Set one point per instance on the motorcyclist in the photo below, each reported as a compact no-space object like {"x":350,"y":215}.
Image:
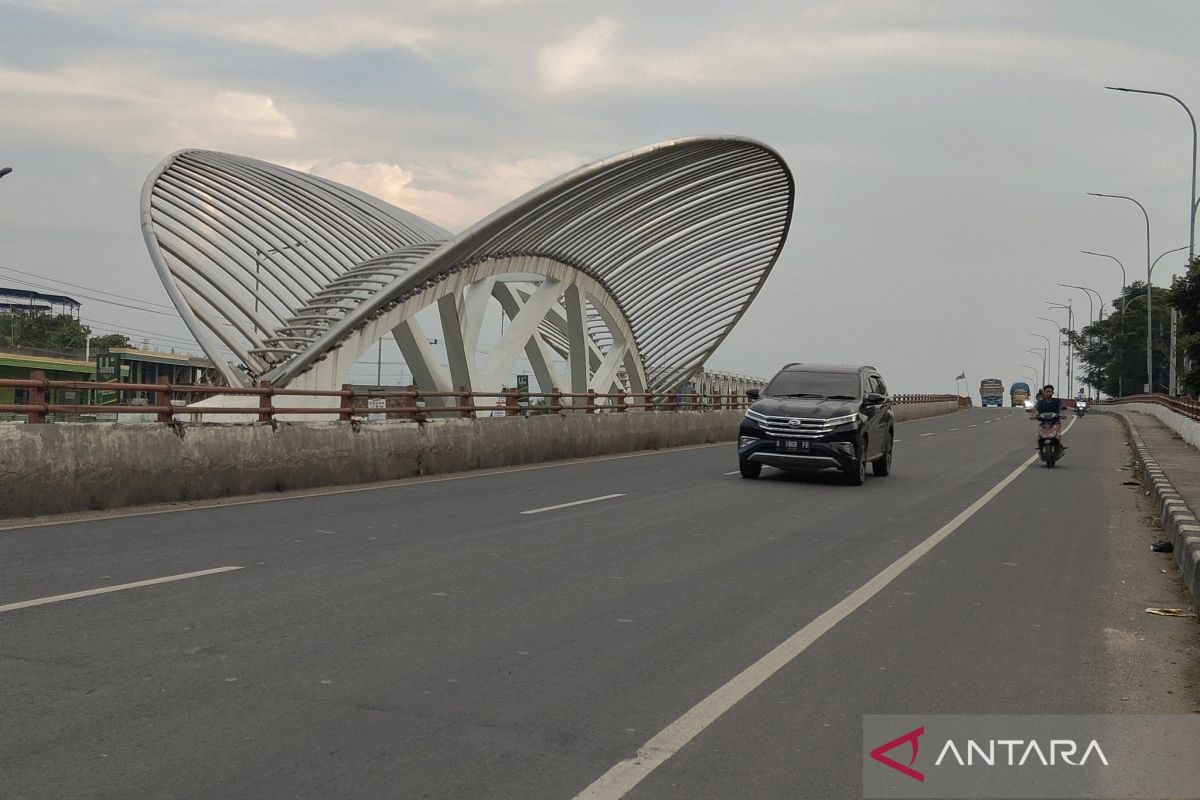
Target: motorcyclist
{"x":1047,"y":404}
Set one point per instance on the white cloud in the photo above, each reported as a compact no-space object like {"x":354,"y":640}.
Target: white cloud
{"x":124,"y":109}
{"x":582,"y":60}
{"x":253,"y":114}
{"x":453,"y":196}
{"x":320,"y":32}
{"x":596,"y":58}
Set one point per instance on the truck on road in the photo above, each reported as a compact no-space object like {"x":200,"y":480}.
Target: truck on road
{"x":991,"y":392}
{"x":1018,"y":393}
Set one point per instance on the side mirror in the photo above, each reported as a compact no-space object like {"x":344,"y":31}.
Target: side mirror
{"x":875,"y":398}
{"x":752,"y":394}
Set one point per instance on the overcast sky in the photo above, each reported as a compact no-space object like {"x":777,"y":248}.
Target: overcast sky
{"x":941,"y":150}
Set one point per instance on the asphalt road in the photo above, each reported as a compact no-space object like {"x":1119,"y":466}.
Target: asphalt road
{"x":436,"y":640}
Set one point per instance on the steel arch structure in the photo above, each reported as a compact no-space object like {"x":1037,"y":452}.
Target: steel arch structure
{"x":625,"y":273}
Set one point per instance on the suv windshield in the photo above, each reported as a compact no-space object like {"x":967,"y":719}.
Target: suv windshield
{"x":814,"y":384}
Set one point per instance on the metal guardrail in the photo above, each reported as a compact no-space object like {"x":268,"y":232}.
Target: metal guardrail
{"x":1188,"y":408}
{"x":410,"y":403}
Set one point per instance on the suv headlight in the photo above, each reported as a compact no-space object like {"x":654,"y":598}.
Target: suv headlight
{"x":755,"y":417}
{"x":837,"y":422}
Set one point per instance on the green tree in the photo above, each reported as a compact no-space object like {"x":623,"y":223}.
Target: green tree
{"x":110,"y":340}
{"x":1185,"y":298}
{"x":45,"y":331}
{"x":1113,"y":350}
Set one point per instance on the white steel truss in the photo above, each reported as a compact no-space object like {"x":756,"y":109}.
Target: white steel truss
{"x":535,"y":295}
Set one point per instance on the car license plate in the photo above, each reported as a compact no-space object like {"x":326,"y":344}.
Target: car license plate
{"x":793,"y":445}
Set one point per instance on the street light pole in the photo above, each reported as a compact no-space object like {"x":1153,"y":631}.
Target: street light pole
{"x":1058,"y":359}
{"x":1043,"y":352}
{"x":257,"y":254}
{"x":1192,"y":196}
{"x":1033,"y":371}
{"x":1149,"y":299}
{"x":1047,"y":356}
{"x":1124,"y":283}
{"x":1071,"y":328}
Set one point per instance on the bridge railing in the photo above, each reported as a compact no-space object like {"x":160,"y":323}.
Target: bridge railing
{"x":1188,"y":408}
{"x":265,"y":401}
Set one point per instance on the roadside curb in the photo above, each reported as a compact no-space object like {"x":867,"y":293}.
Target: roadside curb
{"x":1178,"y":519}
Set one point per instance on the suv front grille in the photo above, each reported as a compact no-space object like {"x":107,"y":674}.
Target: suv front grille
{"x":798,"y":427}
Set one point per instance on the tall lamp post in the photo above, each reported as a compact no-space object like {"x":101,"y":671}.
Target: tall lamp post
{"x":1044,"y":360}
{"x":1058,"y":358}
{"x":1124,"y":283}
{"x":1071,"y":328}
{"x":258,"y":254}
{"x":1042,"y":352}
{"x":1033,"y":372}
{"x":1090,"y":292}
{"x":1149,"y":299}
{"x":1192,"y":196}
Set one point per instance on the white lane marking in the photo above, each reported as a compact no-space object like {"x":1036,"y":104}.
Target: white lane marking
{"x":625,"y":775}
{"x":928,"y":434}
{"x":972,"y":426}
{"x":735,"y":472}
{"x":987,"y":422}
{"x":575,"y":503}
{"x":952,"y":430}
{"x":58,"y":598}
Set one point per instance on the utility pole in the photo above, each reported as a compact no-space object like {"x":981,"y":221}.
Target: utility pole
{"x":1172,"y":355}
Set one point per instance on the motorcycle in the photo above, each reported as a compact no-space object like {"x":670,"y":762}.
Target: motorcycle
{"x":1050,"y":447}
{"x":1081,"y":407}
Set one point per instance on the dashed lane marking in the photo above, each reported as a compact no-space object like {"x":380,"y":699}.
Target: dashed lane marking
{"x":573,"y":503}
{"x":58,"y":598}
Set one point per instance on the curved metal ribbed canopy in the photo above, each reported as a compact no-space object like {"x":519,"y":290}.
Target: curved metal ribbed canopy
{"x":282,"y":267}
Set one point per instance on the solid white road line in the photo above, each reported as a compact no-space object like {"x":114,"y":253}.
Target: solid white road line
{"x":621,"y":778}
{"x":735,"y":472}
{"x":58,"y":598}
{"x":576,"y":503}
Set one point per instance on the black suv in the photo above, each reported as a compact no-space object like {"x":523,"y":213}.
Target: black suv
{"x":816,"y":417}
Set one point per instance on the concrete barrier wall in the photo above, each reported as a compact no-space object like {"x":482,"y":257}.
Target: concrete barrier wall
{"x":913,"y":411}
{"x":51,"y":469}
{"x":1189,"y":429}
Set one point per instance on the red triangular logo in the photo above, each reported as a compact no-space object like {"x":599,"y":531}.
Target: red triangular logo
{"x":911,"y":738}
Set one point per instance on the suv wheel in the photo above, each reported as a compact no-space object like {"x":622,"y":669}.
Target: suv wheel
{"x":749,"y":469}
{"x":857,"y":474}
{"x":883,"y":465}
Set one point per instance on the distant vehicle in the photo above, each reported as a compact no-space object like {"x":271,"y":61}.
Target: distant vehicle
{"x":818,"y":417}
{"x":991,"y":392}
{"x":1018,"y":393}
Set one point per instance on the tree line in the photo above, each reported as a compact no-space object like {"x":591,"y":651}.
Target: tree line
{"x":1112,"y":350}
{"x":52,"y":332}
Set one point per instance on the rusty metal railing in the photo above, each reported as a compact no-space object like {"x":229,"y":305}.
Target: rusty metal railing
{"x":408,"y":403}
{"x":1188,"y":408}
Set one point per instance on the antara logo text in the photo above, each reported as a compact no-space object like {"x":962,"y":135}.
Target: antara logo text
{"x":991,"y":752}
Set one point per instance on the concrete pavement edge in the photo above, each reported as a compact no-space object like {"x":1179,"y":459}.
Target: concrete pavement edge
{"x":1177,"y":517}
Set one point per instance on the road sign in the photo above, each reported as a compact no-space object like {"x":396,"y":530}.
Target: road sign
{"x":523,"y":389}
